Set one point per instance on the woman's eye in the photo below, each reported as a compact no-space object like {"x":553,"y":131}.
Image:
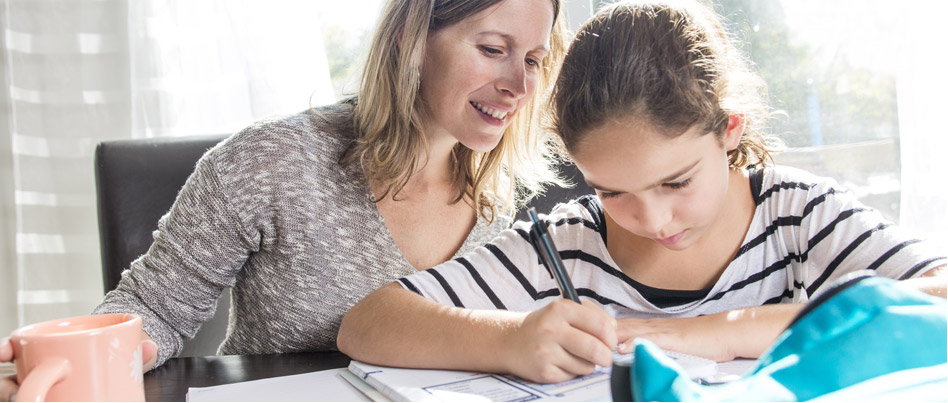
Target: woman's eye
{"x":678,"y":185}
{"x":490,"y":50}
{"x":533,"y":63}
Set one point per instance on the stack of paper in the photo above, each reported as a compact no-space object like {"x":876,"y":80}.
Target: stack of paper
{"x":402,"y":384}
{"x":363,"y":382}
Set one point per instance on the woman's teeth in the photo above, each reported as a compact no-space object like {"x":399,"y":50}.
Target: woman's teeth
{"x":493,"y":113}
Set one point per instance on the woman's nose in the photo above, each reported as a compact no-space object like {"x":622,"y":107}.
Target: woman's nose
{"x":513,"y":80}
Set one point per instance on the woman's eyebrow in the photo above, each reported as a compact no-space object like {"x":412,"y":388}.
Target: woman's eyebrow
{"x":510,"y":39}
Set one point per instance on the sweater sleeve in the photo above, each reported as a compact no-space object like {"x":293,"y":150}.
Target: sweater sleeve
{"x":198,"y":249}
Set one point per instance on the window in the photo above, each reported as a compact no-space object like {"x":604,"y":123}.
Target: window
{"x":347,"y":31}
{"x":832,"y":75}
{"x":831,"y":68}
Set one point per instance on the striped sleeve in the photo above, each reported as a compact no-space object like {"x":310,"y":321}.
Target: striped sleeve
{"x":498,"y":275}
{"x":839,"y":235}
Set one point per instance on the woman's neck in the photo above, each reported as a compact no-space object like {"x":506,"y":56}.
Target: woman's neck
{"x":433,"y":175}
{"x":435,"y":169}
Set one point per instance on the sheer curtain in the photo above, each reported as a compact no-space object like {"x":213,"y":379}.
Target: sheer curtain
{"x":76,"y":72}
{"x":923,"y":132}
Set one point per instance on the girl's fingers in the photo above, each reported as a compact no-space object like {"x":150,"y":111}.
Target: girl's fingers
{"x":551,"y":374}
{"x":593,"y":320}
{"x":563,"y":367}
{"x":576,"y":366}
{"x":586,"y":350}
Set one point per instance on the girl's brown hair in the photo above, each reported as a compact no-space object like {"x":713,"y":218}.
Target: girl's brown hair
{"x":670,"y":66}
{"x":390,"y":143}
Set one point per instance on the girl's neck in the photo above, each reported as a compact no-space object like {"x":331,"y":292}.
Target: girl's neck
{"x":698,"y":266}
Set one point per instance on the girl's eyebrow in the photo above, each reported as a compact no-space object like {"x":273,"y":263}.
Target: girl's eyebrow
{"x":597,"y":187}
{"x":667,"y":179}
{"x":674,"y":176}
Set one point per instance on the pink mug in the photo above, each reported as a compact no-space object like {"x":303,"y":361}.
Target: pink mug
{"x":86,"y":358}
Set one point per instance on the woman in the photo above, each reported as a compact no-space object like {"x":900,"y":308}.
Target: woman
{"x":304,"y":215}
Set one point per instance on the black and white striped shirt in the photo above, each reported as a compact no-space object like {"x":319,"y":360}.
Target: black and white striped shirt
{"x":806,"y":232}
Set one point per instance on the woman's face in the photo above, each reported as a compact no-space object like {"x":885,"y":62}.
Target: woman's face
{"x":479,"y":72}
{"x":669,"y":190}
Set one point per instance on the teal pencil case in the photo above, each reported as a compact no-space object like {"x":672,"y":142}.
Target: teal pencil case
{"x":867,"y":338}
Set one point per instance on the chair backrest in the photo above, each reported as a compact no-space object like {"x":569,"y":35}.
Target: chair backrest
{"x":136,"y":183}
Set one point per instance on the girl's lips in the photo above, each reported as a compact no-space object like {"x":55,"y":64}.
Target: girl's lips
{"x":671,"y":240}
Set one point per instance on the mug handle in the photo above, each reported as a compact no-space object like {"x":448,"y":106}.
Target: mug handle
{"x":37,"y":384}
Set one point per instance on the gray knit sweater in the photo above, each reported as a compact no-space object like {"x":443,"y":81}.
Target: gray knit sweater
{"x":271,"y":213}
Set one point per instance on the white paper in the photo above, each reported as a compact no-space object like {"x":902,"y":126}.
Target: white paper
{"x":325,"y":386}
{"x":694,"y":366}
{"x":402,"y":384}
{"x":732,"y":370}
{"x":363,"y":387}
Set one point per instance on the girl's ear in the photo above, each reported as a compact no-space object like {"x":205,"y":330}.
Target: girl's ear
{"x":735,"y":129}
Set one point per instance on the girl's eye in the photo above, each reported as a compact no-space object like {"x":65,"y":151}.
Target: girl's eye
{"x":678,"y":185}
{"x":534,"y":63}
{"x":607,"y":195}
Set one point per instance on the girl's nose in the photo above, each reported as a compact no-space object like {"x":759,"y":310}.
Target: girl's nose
{"x":653,"y":216}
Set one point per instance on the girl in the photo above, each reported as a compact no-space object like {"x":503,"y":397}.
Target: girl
{"x":691,"y":240}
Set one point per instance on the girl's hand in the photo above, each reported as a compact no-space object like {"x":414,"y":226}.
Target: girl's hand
{"x":744,"y":333}
{"x":703,"y":336}
{"x":560,"y":341}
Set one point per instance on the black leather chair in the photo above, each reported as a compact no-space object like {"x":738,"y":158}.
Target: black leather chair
{"x":136,"y":183}
{"x":555,"y":195}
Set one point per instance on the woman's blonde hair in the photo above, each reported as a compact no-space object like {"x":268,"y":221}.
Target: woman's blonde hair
{"x":388,"y":111}
{"x":670,"y":65}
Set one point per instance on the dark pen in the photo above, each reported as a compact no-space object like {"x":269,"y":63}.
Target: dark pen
{"x":543,"y":244}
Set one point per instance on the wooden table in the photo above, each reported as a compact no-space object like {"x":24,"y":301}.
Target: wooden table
{"x":171,"y":381}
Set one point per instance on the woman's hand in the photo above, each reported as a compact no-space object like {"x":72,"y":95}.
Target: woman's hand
{"x":741,"y":333}
{"x":8,"y":385}
{"x":560,"y":341}
{"x":149,"y":353}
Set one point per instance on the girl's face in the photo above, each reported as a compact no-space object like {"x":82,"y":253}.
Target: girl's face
{"x":669,"y":190}
{"x":480,"y":71}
